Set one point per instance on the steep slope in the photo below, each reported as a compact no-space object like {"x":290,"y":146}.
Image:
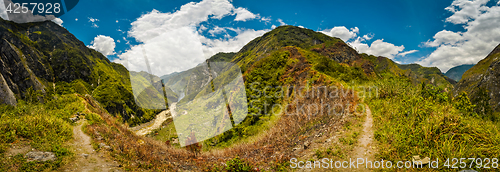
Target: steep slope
{"x":43,"y":59}
{"x":481,"y":82}
{"x":427,"y":74}
{"x":456,"y":72}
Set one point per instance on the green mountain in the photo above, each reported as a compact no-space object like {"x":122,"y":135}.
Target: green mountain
{"x":46,"y":59}
{"x":456,"y":72}
{"x":433,"y":75}
{"x":48,"y":75}
{"x":481,"y":83}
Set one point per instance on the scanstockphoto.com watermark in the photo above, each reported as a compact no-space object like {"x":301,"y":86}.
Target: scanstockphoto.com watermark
{"x":357,"y":163}
{"x":332,"y":100}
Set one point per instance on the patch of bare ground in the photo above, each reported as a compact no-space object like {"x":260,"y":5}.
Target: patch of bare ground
{"x":86,"y":158}
{"x":296,"y":134}
{"x":365,"y":147}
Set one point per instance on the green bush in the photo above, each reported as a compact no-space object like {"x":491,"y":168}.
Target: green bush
{"x":235,"y":165}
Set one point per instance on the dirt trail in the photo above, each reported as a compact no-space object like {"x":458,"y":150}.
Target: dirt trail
{"x":365,"y":148}
{"x":159,"y":119}
{"x":86,"y":158}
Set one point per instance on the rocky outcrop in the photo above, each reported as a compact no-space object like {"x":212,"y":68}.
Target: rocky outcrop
{"x":6,"y":95}
{"x":40,"y":156}
{"x":340,"y":52}
{"x":484,"y":75}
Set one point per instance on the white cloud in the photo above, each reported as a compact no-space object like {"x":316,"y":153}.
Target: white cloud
{"x":273,"y":26}
{"x":3,"y":13}
{"x":234,"y":44}
{"x":407,"y":52}
{"x":104,"y":44}
{"x":173,"y":43}
{"x":465,"y":10}
{"x":481,"y":35}
{"x":281,"y":22}
{"x":58,"y":21}
{"x":242,"y":14}
{"x":177,"y":50}
{"x":445,"y":37}
{"x":265,"y":19}
{"x":153,"y":24}
{"x":341,"y":32}
{"x":377,"y":48}
{"x":93,"y":20}
{"x":216,"y":30}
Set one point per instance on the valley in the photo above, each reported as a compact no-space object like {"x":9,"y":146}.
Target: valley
{"x":292,"y":93}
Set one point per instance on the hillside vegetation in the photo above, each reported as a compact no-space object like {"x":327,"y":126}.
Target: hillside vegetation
{"x":414,"y":108}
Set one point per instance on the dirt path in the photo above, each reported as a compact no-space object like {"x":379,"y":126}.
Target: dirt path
{"x":160,"y":118}
{"x":365,"y":148}
{"x":86,"y":158}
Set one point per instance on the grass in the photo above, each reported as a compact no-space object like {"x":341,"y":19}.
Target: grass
{"x":409,"y":124}
{"x":46,"y":127}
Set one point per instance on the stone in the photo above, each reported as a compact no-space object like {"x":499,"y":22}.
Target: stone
{"x":103,"y":145}
{"x":307,"y":144}
{"x":40,"y":156}
{"x":74,"y":119}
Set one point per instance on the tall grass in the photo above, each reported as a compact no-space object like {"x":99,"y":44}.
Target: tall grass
{"x":46,"y":127}
{"x":410,"y":123}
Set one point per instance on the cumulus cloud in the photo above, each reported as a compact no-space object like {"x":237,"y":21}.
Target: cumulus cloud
{"x":177,"y":50}
{"x":21,"y":17}
{"x":213,"y":46}
{"x":341,"y":32}
{"x":242,"y":14}
{"x":466,"y":10}
{"x":3,"y":12}
{"x":58,"y":21}
{"x":216,"y":30}
{"x":377,"y":48}
{"x":445,"y":37}
{"x":481,"y":35}
{"x":172,"y":41}
{"x":103,"y":44}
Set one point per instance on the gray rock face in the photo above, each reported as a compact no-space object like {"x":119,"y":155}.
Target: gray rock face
{"x":6,"y":95}
{"x":485,"y":74}
{"x":33,"y":54}
{"x":40,"y":156}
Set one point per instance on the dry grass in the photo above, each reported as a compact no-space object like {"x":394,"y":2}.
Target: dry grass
{"x":265,"y":151}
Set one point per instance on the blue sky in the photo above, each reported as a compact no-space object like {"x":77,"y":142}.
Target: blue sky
{"x":442,"y":33}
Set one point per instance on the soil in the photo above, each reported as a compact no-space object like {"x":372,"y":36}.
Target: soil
{"x":365,"y":148}
{"x":86,"y":158}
